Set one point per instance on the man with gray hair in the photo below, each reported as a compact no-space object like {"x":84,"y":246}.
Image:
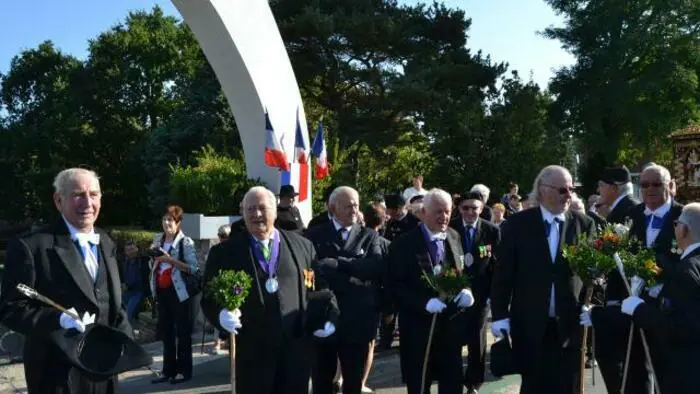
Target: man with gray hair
{"x":535,"y":296}
{"x":426,"y":250}
{"x":485,"y":192}
{"x":73,"y":263}
{"x":272,"y":324}
{"x":352,"y":264}
{"x":675,"y":323}
{"x":615,"y":189}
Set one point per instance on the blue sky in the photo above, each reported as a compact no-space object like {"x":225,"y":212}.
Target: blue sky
{"x":505,"y":29}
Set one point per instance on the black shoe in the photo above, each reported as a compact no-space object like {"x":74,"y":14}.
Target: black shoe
{"x":179,"y":380}
{"x":161,"y":379}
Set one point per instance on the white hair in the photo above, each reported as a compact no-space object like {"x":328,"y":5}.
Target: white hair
{"x":577,"y":204}
{"x":437,"y":195}
{"x":661,"y":170}
{"x":255,"y":190}
{"x":224,"y":230}
{"x":690,"y":216}
{"x":626,"y":189}
{"x":545,"y":175}
{"x":340,"y":191}
{"x":483,"y":189}
{"x":64,"y":179}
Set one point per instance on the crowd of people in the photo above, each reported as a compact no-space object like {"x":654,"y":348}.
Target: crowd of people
{"x":322,"y":293}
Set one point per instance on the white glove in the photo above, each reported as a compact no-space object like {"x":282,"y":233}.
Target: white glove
{"x":655,"y":290}
{"x":630,"y":304}
{"x":585,"y":316}
{"x":498,"y":325}
{"x":434,"y":305}
{"x":230,"y":321}
{"x":68,"y":322}
{"x":636,"y":285}
{"x":328,"y":330}
{"x":464,"y":299}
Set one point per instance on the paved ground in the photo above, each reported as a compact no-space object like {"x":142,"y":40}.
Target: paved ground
{"x":211,"y":375}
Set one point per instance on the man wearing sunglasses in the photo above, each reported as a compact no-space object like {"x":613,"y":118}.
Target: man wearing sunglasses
{"x":479,"y":238}
{"x":535,"y":295}
{"x":676,"y":321}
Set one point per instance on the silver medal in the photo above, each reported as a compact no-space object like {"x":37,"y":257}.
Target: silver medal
{"x":468,"y":259}
{"x":271,"y":285}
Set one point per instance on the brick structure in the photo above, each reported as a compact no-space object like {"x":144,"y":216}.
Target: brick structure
{"x":686,"y":163}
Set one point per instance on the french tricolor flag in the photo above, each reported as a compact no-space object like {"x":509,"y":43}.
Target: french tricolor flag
{"x":274,"y":155}
{"x":299,"y":170}
{"x":319,"y":151}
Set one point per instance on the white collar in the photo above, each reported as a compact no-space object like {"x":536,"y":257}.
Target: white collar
{"x":441,"y":236}
{"x":617,"y":201}
{"x":465,"y":224}
{"x":91,"y":236}
{"x":338,"y":226}
{"x":549,"y":216}
{"x":660,"y":211}
{"x":690,"y":249}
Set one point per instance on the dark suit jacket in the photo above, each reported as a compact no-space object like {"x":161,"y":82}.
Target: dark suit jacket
{"x":621,"y":212}
{"x":268,"y":320}
{"x":408,"y":259}
{"x":599,"y":221}
{"x":676,"y":325}
{"x":524,"y":274}
{"x":321,"y":218}
{"x":487,"y":235}
{"x":145,"y":271}
{"x":486,"y":213}
{"x":360,"y":257}
{"x":48,"y":261}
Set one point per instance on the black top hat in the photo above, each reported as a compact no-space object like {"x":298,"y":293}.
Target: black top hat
{"x":101,"y":351}
{"x":321,"y":308}
{"x":616,"y":175}
{"x":287,"y":191}
{"x":473,"y":195}
{"x":394,"y":201}
{"x":502,"y":358}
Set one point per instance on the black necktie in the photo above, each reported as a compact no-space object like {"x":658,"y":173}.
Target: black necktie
{"x":341,"y":231}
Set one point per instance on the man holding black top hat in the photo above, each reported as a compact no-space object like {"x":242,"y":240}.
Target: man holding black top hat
{"x":74,"y":264}
{"x":288,"y":215}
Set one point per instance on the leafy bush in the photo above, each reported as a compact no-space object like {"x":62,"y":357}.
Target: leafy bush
{"x":215,"y":186}
{"x":143,"y":239}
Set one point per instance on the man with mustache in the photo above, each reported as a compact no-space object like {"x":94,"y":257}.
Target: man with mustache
{"x":430,"y":248}
{"x":535,"y":296}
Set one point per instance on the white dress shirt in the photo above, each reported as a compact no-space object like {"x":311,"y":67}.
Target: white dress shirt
{"x":659,"y":212}
{"x":617,"y":201}
{"x":89,"y":258}
{"x":553,"y":240}
{"x":690,"y":249}
{"x":346,"y":230}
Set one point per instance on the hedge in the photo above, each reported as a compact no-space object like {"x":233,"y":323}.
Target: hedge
{"x":143,"y":239}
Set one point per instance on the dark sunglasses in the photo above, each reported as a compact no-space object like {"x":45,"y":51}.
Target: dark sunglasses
{"x":562,"y":190}
{"x":646,"y":185}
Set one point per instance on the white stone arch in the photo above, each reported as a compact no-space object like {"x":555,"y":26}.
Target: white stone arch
{"x":242,"y":42}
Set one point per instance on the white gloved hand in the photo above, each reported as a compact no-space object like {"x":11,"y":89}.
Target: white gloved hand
{"x":328,"y":330}
{"x":230,"y":321}
{"x":68,"y":322}
{"x":630,"y":304}
{"x":499,"y":325}
{"x":434,"y":305}
{"x":585,"y":316}
{"x":88,"y":319}
{"x":655,"y":290}
{"x":464,"y":299}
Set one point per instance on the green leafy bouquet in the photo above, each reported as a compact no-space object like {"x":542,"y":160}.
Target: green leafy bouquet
{"x":447,"y":282}
{"x":591,"y":258}
{"x":229,"y":288}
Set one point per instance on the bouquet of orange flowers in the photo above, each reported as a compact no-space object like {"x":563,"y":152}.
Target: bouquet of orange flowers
{"x":641,"y":264}
{"x":592,"y":257}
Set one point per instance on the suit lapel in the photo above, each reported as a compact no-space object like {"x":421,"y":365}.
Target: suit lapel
{"x":453,"y":243}
{"x":349,"y":245}
{"x":286,"y":247}
{"x":478,"y":234}
{"x":539,"y":232}
{"x":73,"y":261}
{"x":567,"y":233}
{"x":106,"y":248}
{"x":422,"y":253}
{"x":250,"y":265}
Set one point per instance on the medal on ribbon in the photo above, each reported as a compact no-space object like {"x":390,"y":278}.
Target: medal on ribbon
{"x":270,"y":267}
{"x":309,"y":279}
{"x":468,"y":259}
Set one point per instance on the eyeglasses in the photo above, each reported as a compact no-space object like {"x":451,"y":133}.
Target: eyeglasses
{"x":467,"y":208}
{"x":677,"y":222}
{"x":646,"y":185}
{"x":562,"y":190}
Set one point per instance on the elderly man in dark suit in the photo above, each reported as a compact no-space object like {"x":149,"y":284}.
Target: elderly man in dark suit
{"x":354,"y":276}
{"x":535,"y":295}
{"x":615,"y":189}
{"x":479,"y":241}
{"x":431,"y":247}
{"x":73,"y":263}
{"x":273,"y":354}
{"x":675,"y":323}
{"x":652,"y":225}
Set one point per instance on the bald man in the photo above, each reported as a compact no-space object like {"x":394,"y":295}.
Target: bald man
{"x":675,"y":323}
{"x":535,"y":296}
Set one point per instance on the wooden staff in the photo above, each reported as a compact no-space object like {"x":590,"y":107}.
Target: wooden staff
{"x":647,"y":353}
{"x":232,"y":342}
{"x":427,"y":352}
{"x":33,"y":294}
{"x":584,"y":341}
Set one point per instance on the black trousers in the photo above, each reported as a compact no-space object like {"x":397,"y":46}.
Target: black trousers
{"x":611,"y":335}
{"x":444,"y":365}
{"x":548,"y":367}
{"x":474,"y":375}
{"x":264,"y":368}
{"x":352,"y":364}
{"x":386,"y":330}
{"x":175,"y":322}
